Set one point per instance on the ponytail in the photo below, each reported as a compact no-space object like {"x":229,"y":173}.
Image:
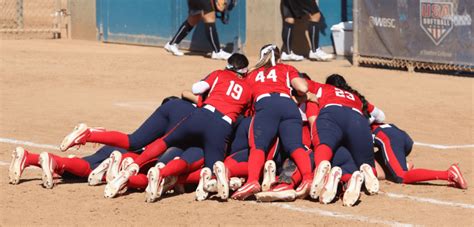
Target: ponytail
{"x":339,"y":82}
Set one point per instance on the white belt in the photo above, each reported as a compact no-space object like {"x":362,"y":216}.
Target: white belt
{"x":268,"y":95}
{"x":333,"y":104}
{"x":224,"y":117}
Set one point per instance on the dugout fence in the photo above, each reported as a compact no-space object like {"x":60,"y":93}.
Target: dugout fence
{"x":414,"y":34}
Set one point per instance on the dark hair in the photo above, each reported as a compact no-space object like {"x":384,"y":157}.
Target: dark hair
{"x":167,"y":99}
{"x":237,"y":61}
{"x":304,"y":75}
{"x":338,"y":81}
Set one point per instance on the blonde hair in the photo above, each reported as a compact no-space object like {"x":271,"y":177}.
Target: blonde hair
{"x":269,"y":54}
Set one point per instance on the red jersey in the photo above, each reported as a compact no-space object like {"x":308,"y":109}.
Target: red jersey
{"x":274,"y":79}
{"x":328,"y":94}
{"x":229,"y":94}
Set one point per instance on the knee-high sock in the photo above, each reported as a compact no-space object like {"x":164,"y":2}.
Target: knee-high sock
{"x":236,"y":169}
{"x":182,"y":32}
{"x":31,"y":159}
{"x":303,"y":162}
{"x":111,"y":138}
{"x":313,"y":30}
{"x":417,"y":175}
{"x":322,"y":152}
{"x":346,"y":177}
{"x":287,"y":37}
{"x":138,"y":181}
{"x":255,"y":165}
{"x":76,"y":166}
{"x":211,"y":34}
{"x":151,"y":151}
{"x":296,"y":177}
{"x":191,"y":178}
{"x":174,"y":168}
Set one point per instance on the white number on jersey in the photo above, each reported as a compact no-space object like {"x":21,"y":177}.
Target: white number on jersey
{"x":344,"y":94}
{"x":234,"y":90}
{"x":271,"y":75}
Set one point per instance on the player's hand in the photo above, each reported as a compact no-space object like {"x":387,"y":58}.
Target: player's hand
{"x":221,"y":5}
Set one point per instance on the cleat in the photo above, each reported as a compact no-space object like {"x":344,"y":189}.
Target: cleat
{"x":269,"y":175}
{"x":155,"y":185}
{"x":97,"y":175}
{"x":249,"y":189}
{"x":281,"y":192}
{"x":173,"y":48}
{"x":76,"y":137}
{"x":128,"y":161}
{"x":371,"y":181}
{"x":291,"y":57}
{"x":303,"y":189}
{"x":211,"y":186}
{"x":120,"y":182}
{"x":318,"y":181}
{"x":48,"y":164}
{"x":222,"y":176}
{"x":235,"y":183}
{"x":320,"y":55}
{"x":352,"y":193}
{"x":456,"y":178}
{"x":17,"y":165}
{"x":221,"y":55}
{"x":201,"y":193}
{"x":328,"y":193}
{"x":114,"y":166}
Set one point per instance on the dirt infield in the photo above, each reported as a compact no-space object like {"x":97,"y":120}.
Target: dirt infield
{"x":48,"y":86}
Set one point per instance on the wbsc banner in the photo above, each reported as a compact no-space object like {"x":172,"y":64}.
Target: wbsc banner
{"x":438,"y":31}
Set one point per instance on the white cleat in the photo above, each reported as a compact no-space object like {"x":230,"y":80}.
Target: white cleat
{"x":352,"y":193}
{"x":269,"y":175}
{"x":97,"y":175}
{"x":120,"y":182}
{"x":291,"y":57}
{"x":318,"y":181}
{"x":370,"y":180}
{"x":201,"y":193}
{"x":76,"y":137}
{"x":320,"y":55}
{"x":222,"y":176}
{"x":235,"y":183}
{"x":17,"y":165}
{"x":173,"y":48}
{"x":330,"y":186}
{"x":211,"y":186}
{"x":47,"y":165}
{"x":128,"y":161}
{"x":114,"y":166}
{"x":155,"y":185}
{"x":221,"y":55}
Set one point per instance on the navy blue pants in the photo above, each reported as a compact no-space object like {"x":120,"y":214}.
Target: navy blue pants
{"x":192,"y":155}
{"x":241,"y":136}
{"x":207,"y":127}
{"x":394,"y":146}
{"x":341,"y":126}
{"x":343,"y":159}
{"x":276,"y":115}
{"x":161,"y":121}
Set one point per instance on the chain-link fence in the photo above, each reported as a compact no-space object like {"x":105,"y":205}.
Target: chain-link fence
{"x":31,"y":18}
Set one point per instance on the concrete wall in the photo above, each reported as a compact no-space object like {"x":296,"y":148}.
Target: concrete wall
{"x":83,"y":19}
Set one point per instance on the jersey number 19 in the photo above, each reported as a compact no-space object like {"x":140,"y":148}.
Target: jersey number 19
{"x":234,"y":90}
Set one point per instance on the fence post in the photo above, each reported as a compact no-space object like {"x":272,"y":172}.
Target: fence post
{"x":19,"y":14}
{"x":355,"y":28}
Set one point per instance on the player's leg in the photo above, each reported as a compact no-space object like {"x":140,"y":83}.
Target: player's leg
{"x":209,"y":19}
{"x":237,"y":163}
{"x":21,"y":158}
{"x":287,"y":32}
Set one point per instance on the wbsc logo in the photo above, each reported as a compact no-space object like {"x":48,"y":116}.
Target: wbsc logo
{"x":436,"y":19}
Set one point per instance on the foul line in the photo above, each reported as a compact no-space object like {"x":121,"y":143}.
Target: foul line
{"x":2,"y":163}
{"x":428,"y":200}
{"x":337,"y":214}
{"x":27,"y":143}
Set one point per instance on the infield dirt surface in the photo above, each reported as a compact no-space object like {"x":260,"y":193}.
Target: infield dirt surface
{"x":48,"y":86}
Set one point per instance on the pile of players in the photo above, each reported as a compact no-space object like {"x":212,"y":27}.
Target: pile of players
{"x":270,"y":133}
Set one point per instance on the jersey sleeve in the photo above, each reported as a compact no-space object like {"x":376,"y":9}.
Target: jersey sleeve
{"x":209,"y":79}
{"x":370,"y":107}
{"x":292,"y":72}
{"x":313,"y":86}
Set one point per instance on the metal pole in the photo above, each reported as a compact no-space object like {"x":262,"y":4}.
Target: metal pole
{"x":19,"y":14}
{"x":355,"y":29}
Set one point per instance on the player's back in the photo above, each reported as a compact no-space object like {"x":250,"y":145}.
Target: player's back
{"x":275,"y":79}
{"x":329,"y":94}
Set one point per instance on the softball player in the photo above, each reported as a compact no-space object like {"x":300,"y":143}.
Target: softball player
{"x":276,"y":113}
{"x":200,"y":10}
{"x":394,"y":145}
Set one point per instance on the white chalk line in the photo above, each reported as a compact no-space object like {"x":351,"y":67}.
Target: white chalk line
{"x":428,"y":200}
{"x":27,"y":143}
{"x":2,"y":163}
{"x":444,"y":147}
{"x":326,"y":213}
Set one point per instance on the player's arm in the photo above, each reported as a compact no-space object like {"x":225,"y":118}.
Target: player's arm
{"x":204,"y":85}
{"x":298,"y":83}
{"x":188,"y":95}
{"x":376,"y":114}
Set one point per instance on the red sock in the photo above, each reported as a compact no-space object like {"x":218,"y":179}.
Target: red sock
{"x":76,"y":166}
{"x":31,"y":159}
{"x":417,"y":175}
{"x":174,"y":168}
{"x":303,"y":162}
{"x":195,"y":165}
{"x":296,"y":177}
{"x":130,"y":154}
{"x":139,"y":181}
{"x":236,"y":169}
{"x":322,"y":152}
{"x":151,"y":151}
{"x":111,"y":138}
{"x":191,"y":178}
{"x":346,"y":177}
{"x":255,"y":164}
